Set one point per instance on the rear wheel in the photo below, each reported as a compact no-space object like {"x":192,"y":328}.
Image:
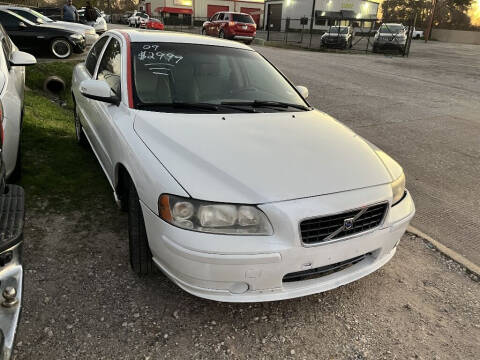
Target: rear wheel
{"x":248,"y":42}
{"x":204,"y":32}
{"x":140,"y":254}
{"x":61,"y":48}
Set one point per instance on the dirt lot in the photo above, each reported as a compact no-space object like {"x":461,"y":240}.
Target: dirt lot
{"x":81,"y":300}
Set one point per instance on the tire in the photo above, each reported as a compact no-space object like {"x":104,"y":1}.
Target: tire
{"x":221,"y":34}
{"x":417,"y":37}
{"x":139,"y":250}
{"x":248,"y":42}
{"x":79,"y":134}
{"x":61,"y":48}
{"x":204,"y":32}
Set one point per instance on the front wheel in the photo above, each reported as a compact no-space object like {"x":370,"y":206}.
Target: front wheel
{"x":221,"y":34}
{"x":61,"y":48}
{"x":140,"y":254}
{"x":204,"y":32}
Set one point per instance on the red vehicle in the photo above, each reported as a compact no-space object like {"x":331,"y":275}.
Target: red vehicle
{"x":231,"y":25}
{"x":154,"y":24}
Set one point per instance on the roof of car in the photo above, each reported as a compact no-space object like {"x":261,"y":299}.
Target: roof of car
{"x":177,"y":37}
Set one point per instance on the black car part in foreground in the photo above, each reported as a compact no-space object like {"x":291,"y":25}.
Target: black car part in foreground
{"x":12,"y":214}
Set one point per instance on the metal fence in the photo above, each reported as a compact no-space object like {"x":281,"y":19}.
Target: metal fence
{"x":300,"y":33}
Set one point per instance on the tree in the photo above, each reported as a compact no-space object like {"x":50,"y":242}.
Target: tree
{"x":449,"y":13}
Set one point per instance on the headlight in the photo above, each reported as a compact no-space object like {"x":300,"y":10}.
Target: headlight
{"x":211,"y":217}
{"x":90,"y":32}
{"x":398,"y":189}
{"x":76,"y":36}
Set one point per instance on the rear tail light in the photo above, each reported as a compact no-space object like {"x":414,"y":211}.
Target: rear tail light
{"x":1,"y":124}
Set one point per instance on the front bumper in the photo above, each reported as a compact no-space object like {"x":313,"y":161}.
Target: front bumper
{"x":252,"y":268}
{"x":388,"y":45}
{"x":11,"y":269}
{"x":78,"y":46}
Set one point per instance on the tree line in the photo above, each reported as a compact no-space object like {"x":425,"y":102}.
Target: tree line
{"x":449,"y":14}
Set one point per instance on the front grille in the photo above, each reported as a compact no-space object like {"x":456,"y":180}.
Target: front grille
{"x":321,"y":229}
{"x":322,"y":271}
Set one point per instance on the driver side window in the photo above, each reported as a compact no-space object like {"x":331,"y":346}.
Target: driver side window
{"x":110,"y":66}
{"x":94,"y":54}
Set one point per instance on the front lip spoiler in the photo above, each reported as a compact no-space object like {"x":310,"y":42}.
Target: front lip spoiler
{"x":12,"y":214}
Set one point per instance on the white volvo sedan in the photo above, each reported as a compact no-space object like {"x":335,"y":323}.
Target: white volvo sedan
{"x":235,"y":187}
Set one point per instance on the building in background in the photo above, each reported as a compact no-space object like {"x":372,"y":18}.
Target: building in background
{"x":186,"y":11}
{"x":282,"y":14}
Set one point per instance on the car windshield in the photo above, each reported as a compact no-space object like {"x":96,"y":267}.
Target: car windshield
{"x":335,"y":30}
{"x":173,"y":73}
{"x":393,"y":29}
{"x":33,"y":15}
{"x":243,"y":18}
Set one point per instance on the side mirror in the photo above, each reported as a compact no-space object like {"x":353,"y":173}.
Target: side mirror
{"x":39,"y":20}
{"x":98,"y":90}
{"x":20,"y":58}
{"x":302,"y":90}
{"x":22,"y":25}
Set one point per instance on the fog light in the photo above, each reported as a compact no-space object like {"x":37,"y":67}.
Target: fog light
{"x":238,"y":288}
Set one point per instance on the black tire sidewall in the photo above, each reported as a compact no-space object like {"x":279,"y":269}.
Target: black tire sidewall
{"x":70,"y":49}
{"x":139,"y":250}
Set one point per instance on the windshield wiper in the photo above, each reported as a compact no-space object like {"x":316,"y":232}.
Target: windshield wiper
{"x":267,"y":103}
{"x":180,"y":105}
{"x":199,"y":106}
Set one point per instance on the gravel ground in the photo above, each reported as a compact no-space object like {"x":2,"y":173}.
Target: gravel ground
{"x":83,"y":302}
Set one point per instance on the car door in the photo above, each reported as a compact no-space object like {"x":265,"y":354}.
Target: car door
{"x":104,"y":114}
{"x":83,"y":104}
{"x":211,"y":24}
{"x":218,"y":24}
{"x":11,"y":101}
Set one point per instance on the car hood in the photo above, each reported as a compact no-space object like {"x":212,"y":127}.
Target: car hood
{"x":59,"y":29}
{"x":260,"y":158}
{"x":69,"y":25}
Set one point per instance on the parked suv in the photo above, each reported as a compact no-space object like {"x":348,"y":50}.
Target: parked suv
{"x":231,"y":25}
{"x":338,"y":36}
{"x":138,"y":19}
{"x":390,"y":37}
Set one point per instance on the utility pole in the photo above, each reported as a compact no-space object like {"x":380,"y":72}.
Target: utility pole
{"x":430,"y":22}
{"x":313,"y":16}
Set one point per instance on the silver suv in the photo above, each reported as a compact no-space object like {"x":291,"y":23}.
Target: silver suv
{"x":390,"y":37}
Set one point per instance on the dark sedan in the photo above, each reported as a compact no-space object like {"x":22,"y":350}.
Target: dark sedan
{"x":38,"y":38}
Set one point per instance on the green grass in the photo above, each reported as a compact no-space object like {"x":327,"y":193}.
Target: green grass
{"x":58,"y":175}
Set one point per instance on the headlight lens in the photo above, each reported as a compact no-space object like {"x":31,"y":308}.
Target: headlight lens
{"x":398,"y":189}
{"x":76,"y":36}
{"x":90,"y":32}
{"x":210,"y":217}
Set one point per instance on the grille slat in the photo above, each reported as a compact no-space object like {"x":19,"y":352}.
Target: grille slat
{"x":317,"y":230}
{"x":322,"y":271}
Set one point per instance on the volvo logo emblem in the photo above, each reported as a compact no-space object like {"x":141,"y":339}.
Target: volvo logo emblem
{"x":348,"y":223}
